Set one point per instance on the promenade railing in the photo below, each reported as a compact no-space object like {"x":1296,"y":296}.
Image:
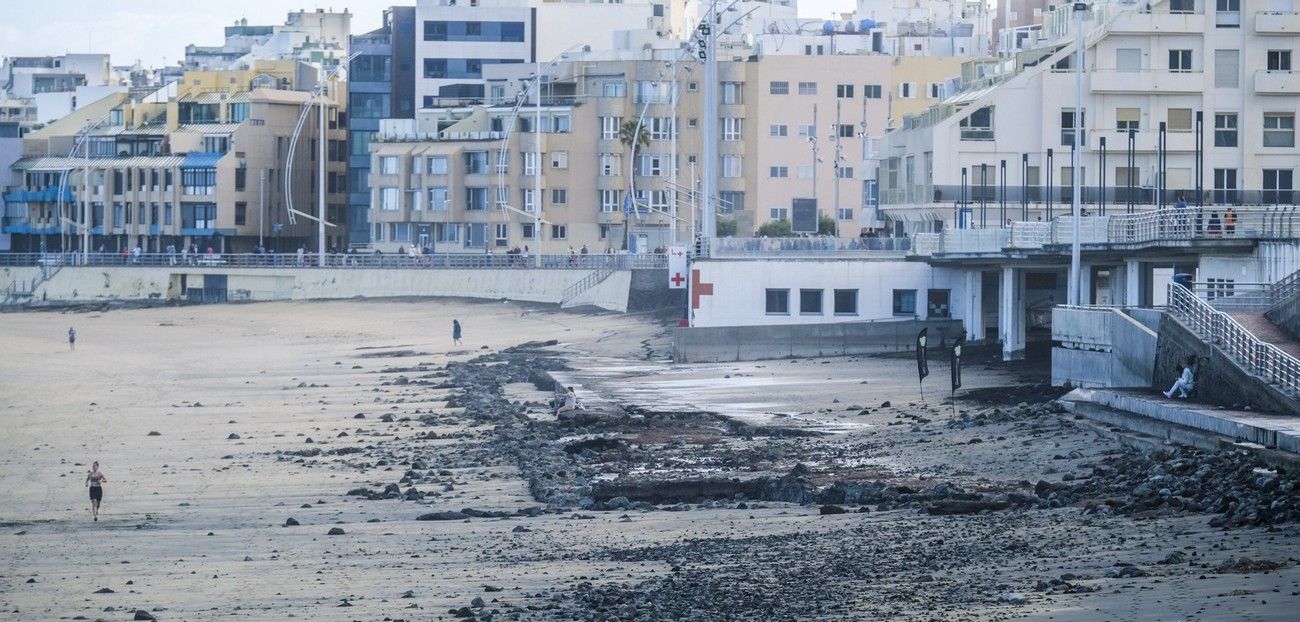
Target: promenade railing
{"x":1219,"y":329}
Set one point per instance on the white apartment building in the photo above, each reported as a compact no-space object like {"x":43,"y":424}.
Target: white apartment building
{"x":1220,"y":73}
{"x":319,"y":37}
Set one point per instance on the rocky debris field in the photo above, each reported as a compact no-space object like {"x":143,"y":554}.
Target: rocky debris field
{"x":947,"y":529}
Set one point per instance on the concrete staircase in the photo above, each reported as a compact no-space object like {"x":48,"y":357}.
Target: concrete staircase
{"x":591,"y":280}
{"x":21,"y":291}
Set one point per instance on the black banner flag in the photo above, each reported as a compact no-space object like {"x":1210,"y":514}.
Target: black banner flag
{"x":922,"y":365}
{"x":956,"y":362}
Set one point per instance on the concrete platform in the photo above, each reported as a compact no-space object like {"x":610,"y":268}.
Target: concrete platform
{"x":1153,"y":414}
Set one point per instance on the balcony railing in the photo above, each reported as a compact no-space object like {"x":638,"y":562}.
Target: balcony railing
{"x":453,"y":261}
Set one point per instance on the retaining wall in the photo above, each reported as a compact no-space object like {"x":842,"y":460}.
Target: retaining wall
{"x":1222,"y":381}
{"x":1101,"y":347}
{"x":712,"y":344}
{"x":94,"y":283}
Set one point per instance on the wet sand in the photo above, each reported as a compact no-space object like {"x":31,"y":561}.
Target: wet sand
{"x":193,"y":520}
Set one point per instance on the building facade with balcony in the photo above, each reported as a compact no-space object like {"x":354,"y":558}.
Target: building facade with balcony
{"x":203,"y":165}
{"x":1185,"y":99}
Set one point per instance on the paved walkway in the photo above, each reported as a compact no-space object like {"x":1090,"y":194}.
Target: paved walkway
{"x":1267,"y":331}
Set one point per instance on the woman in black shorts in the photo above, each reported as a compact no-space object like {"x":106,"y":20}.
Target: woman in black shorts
{"x":95,"y":480}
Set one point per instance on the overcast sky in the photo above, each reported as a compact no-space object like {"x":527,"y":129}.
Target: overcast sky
{"x":157,"y":31}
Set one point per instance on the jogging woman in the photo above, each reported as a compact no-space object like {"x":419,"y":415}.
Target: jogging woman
{"x":95,"y":481}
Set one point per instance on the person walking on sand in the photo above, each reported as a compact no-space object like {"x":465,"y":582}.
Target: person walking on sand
{"x":455,"y":332}
{"x":95,"y":481}
{"x":72,"y":338}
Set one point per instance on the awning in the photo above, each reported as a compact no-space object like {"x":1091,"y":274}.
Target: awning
{"x":911,"y":215}
{"x":201,"y":159}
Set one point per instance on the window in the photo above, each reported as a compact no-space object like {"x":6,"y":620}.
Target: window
{"x":1180,"y":61}
{"x":1067,"y":125}
{"x":241,"y":213}
{"x":475,"y":235}
{"x":846,"y":302}
{"x":778,"y":88}
{"x":530,"y":162}
{"x":446,"y":232}
{"x":559,"y":232}
{"x":844,"y":130}
{"x":437,"y":198}
{"x":651,"y":91}
{"x":610,"y":201}
{"x":661,"y":128}
{"x":844,"y":172}
{"x":1128,"y":59}
{"x":810,"y":302}
{"x":651,"y":164}
{"x":526,"y":231}
{"x":559,"y":196}
{"x":476,"y":162}
{"x":476,"y":198}
{"x":199,"y":181}
{"x":1228,"y":13}
{"x":1227,"y":69}
{"x":778,"y":172}
{"x":437,"y":165}
{"x":732,"y":128}
{"x":609,"y":164}
{"x":1182,"y":6}
{"x":605,"y":231}
{"x":1180,"y":120}
{"x":1279,"y":60}
{"x":1279,"y":129}
{"x":389,"y":199}
{"x":614,"y":89}
{"x":978,"y":125}
{"x":871,"y":91}
{"x":731,"y":93}
{"x":241,"y":179}
{"x":778,"y":213}
{"x":805,"y":130}
{"x":904,"y":302}
{"x":143,"y":214}
{"x":778,"y":302}
{"x":1225,"y":129}
{"x":370,"y":105}
{"x":528,"y":199}
{"x":502,"y":231}
{"x":907,"y":90}
{"x":937,"y":303}
{"x":609,"y":127}
{"x":935,"y":90}
{"x":198,"y":215}
{"x":1225,"y":185}
{"x":807,"y":88}
{"x":1127,"y":119}
{"x":167,"y":213}
{"x":1277,"y":185}
{"x":844,"y":91}
{"x":778,"y":130}
{"x":731,"y":201}
{"x":731,"y":166}
{"x":388,"y":165}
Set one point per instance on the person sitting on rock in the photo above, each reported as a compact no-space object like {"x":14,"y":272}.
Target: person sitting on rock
{"x":1184,"y":383}
{"x":570,"y":403}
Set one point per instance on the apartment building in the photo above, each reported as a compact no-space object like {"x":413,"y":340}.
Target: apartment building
{"x":1180,"y":98}
{"x":203,"y":162}
{"x":317,"y":37}
{"x":463,"y":179}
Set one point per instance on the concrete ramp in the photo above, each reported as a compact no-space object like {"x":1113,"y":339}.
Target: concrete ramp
{"x":1163,"y":418}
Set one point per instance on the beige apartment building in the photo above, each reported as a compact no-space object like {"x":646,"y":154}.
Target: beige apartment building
{"x":464,"y":179}
{"x":201,"y":162}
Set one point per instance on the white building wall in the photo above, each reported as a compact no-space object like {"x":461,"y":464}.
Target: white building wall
{"x":740,"y":289}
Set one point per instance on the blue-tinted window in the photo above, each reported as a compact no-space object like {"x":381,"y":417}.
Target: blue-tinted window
{"x":370,"y":68}
{"x":501,"y":32}
{"x":456,"y":68}
{"x":370,"y":105}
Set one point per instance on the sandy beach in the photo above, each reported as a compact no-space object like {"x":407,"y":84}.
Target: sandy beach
{"x":775,"y":490}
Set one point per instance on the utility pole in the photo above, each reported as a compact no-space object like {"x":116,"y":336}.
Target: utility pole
{"x":537,"y":163}
{"x":709,"y":167}
{"x":836,"y":179}
{"x":261,"y":219}
{"x":812,"y":137}
{"x":85,"y":206}
{"x":320,"y":182}
{"x":1075,"y":282}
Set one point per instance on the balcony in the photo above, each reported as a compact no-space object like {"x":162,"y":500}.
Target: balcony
{"x":1158,"y":24}
{"x":1276,"y":83}
{"x":1146,"y":81}
{"x":1287,"y":23}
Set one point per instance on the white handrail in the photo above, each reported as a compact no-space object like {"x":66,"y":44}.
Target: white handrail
{"x":1219,"y":329}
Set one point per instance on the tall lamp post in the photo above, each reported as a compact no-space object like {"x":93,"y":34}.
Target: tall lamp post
{"x":1075,"y":282}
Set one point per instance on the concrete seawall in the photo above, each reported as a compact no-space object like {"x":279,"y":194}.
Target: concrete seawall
{"x":755,"y":343}
{"x":93,"y":284}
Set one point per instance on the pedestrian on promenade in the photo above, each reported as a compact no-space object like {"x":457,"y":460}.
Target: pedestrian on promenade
{"x":455,"y":332}
{"x":95,"y":481}
{"x":72,"y":338}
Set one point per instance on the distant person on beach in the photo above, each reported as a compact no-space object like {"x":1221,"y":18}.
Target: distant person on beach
{"x":72,"y":338}
{"x":570,"y":402}
{"x":1185,"y":382}
{"x":95,"y":481}
{"x":455,"y":332}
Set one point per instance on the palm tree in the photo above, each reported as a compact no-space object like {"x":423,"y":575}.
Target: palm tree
{"x":634,"y":135}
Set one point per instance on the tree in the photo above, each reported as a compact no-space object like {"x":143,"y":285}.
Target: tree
{"x":775,"y":229}
{"x":826,"y":225}
{"x":726,"y":227}
{"x":633,"y":135}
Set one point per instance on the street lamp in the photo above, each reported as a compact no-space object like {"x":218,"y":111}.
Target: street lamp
{"x":1075,"y":282}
